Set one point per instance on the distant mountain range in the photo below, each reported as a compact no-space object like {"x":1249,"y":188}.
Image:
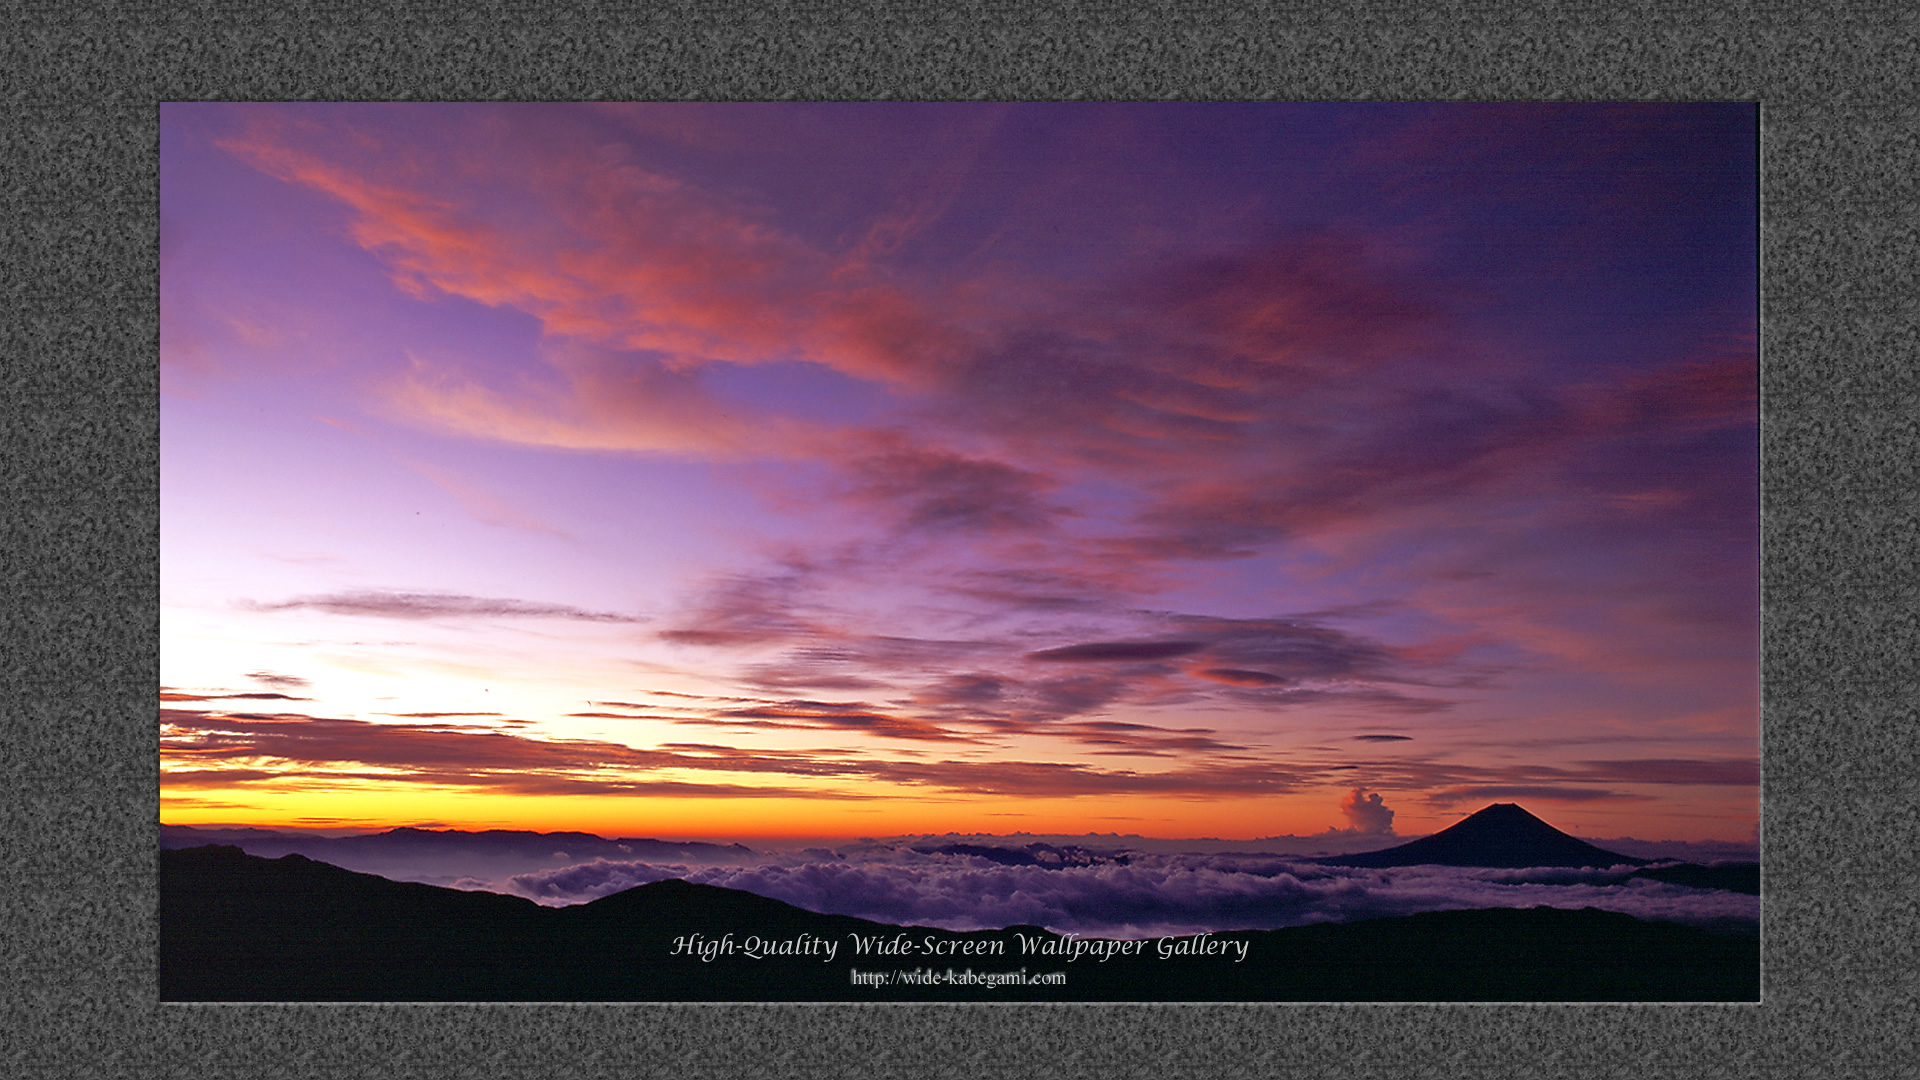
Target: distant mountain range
{"x":504,"y":843}
{"x":238,"y":927}
{"x":451,"y":856}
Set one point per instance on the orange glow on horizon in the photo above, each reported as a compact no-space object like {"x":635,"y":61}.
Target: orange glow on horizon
{"x":1310,"y":813}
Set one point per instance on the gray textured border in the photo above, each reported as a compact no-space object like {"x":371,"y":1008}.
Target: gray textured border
{"x":1841,"y":510}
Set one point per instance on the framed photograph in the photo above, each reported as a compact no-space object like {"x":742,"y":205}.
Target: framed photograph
{"x":978,"y":552}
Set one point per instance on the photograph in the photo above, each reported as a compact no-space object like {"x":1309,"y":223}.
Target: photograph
{"x":959,"y":552}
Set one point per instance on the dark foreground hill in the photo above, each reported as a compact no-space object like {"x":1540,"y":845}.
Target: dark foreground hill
{"x":236,"y":927}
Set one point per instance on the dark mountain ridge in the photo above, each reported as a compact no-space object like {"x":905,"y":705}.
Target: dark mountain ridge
{"x":454,"y":857}
{"x":237,"y":927}
{"x":406,"y":840}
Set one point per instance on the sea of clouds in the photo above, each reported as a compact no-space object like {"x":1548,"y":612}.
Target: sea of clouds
{"x":1145,"y":895}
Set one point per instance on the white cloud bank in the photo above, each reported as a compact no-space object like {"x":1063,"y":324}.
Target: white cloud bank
{"x":1148,"y":895}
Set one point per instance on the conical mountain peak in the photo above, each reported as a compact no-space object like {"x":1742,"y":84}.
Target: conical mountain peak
{"x":1500,"y":819}
{"x":1500,"y":835}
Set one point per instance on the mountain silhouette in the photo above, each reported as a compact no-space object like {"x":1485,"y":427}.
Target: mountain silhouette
{"x":1502,"y":835}
{"x":405,"y":842}
{"x":237,"y":927}
{"x":447,"y":856}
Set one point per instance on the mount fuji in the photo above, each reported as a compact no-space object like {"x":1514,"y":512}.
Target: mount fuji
{"x":1502,"y":835}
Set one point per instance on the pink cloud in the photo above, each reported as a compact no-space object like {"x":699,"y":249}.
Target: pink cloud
{"x":1367,"y":812}
{"x":1051,"y":449}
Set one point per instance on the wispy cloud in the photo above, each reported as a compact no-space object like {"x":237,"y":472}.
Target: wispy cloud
{"x":436,"y":605}
{"x":196,"y":747}
{"x":484,"y":506}
{"x":1555,"y":793}
{"x":822,"y":715}
{"x":1118,"y":651}
{"x":927,"y":488}
{"x":168,"y":694}
{"x":748,"y":610}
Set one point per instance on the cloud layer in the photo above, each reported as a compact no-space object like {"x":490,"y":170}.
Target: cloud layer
{"x":1147,"y":896}
{"x":217,"y":749}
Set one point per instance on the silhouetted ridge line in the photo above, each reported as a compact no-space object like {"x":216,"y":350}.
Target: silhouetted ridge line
{"x":407,"y":839}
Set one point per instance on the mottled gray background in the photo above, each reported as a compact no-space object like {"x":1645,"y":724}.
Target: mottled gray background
{"x":79,"y":540}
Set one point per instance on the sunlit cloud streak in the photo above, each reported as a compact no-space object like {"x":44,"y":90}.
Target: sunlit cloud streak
{"x":167,"y":694}
{"x":1119,"y":651}
{"x":422,"y":605}
{"x":195,"y":746}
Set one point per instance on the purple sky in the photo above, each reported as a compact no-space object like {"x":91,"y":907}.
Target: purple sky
{"x":748,"y":470}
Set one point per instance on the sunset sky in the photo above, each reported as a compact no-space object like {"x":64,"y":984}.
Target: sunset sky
{"x":853,"y":470}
